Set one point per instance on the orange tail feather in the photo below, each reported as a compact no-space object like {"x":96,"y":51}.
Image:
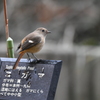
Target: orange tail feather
{"x":18,"y":59}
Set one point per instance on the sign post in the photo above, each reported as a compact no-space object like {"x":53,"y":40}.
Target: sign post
{"x":30,"y":81}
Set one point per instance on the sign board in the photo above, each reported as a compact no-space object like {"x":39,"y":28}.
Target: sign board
{"x":30,"y":81}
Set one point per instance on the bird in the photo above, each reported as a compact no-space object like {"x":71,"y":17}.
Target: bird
{"x":32,"y":43}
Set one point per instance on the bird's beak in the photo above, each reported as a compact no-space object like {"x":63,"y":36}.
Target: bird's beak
{"x":48,"y":32}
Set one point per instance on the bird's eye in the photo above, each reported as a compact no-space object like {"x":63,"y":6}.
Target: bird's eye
{"x":43,"y":30}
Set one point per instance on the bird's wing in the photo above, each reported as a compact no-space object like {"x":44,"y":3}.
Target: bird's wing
{"x":30,"y":43}
{"x":18,"y":47}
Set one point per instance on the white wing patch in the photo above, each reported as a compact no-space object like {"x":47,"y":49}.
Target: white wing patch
{"x":30,"y":41}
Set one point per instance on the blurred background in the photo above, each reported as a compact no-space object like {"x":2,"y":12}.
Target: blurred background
{"x":75,"y":39}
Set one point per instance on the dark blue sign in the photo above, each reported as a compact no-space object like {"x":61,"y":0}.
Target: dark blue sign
{"x":30,"y":81}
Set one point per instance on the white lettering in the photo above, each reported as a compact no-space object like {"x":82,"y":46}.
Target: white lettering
{"x":9,"y":67}
{"x":41,"y":75}
{"x":30,"y":68}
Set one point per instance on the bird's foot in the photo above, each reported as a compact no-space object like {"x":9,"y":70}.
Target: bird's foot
{"x":37,"y":61}
{"x":29,"y":59}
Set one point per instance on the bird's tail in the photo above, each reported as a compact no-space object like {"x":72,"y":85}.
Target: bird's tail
{"x":18,"y":59}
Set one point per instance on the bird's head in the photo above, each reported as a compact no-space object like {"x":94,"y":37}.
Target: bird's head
{"x":43,"y":31}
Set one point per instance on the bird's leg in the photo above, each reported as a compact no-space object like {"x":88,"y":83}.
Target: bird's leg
{"x":37,"y":60}
{"x":34,"y":56}
{"x":29,"y":58}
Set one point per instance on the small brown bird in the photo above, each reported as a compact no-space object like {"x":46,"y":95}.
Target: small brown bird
{"x":32,"y":43}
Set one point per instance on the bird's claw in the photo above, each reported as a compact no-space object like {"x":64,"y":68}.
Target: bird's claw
{"x":29,"y":59}
{"x":37,"y":60}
